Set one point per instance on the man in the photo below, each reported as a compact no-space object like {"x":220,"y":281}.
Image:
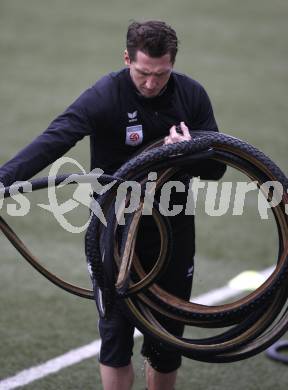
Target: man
{"x":122,"y":112}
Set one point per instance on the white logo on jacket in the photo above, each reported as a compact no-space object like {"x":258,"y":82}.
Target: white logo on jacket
{"x":132,"y":116}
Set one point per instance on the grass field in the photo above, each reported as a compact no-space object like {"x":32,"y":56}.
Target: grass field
{"x":50,"y":52}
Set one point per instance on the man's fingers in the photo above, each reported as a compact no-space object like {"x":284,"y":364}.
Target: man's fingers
{"x":167,"y":140}
{"x":179,"y":134}
{"x":185,"y":131}
{"x":173,"y":132}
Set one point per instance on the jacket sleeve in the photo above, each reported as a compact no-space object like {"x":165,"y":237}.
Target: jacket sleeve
{"x":205,"y":120}
{"x":76,"y":122}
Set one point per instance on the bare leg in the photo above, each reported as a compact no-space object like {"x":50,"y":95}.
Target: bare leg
{"x":117,"y":378}
{"x":156,"y":380}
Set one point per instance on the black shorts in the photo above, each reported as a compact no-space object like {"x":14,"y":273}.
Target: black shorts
{"x":117,"y":331}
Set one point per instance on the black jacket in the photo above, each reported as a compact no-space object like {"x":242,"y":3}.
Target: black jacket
{"x":119,"y":121}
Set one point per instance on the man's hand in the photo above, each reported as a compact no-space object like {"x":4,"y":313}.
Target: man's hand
{"x":179,"y":135}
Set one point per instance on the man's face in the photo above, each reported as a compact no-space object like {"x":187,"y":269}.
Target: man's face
{"x":149,"y":74}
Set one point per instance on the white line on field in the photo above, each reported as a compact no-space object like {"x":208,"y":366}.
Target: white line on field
{"x":87,"y":351}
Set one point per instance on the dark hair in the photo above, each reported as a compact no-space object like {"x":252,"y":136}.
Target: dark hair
{"x":152,"y":37}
